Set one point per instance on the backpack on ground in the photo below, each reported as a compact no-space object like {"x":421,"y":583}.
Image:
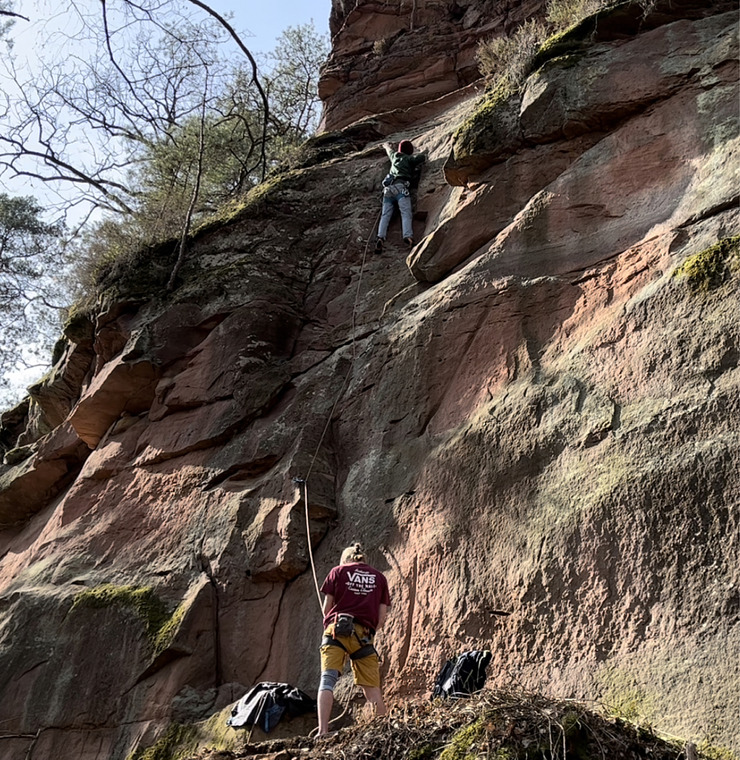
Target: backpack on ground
{"x":463,"y":676}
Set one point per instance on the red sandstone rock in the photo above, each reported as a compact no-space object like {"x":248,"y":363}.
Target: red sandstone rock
{"x":28,"y":487}
{"x":120,"y":387}
{"x":547,"y":425}
{"x":387,"y":57}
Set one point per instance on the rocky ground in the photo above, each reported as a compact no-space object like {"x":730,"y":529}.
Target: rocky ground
{"x":495,"y":725}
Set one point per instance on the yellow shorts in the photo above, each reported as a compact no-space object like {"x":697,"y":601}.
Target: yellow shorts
{"x":366,"y":671}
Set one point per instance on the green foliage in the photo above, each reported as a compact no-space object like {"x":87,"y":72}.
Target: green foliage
{"x":707,"y":270}
{"x":232,"y":133}
{"x":211,"y":161}
{"x":709,"y":751}
{"x":112,"y":246}
{"x":292,"y":83}
{"x":625,"y":704}
{"x":32,"y":256}
{"x":177,"y":743}
{"x":141,"y":599}
{"x":425,"y":752}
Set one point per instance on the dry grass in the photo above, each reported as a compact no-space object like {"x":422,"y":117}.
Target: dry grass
{"x":507,"y":60}
{"x":564,"y":13}
{"x":495,"y":725}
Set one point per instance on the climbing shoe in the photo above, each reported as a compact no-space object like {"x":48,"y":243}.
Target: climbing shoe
{"x":379,"y":245}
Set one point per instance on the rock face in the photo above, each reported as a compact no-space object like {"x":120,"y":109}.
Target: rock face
{"x":400,"y":62}
{"x":537,"y":414}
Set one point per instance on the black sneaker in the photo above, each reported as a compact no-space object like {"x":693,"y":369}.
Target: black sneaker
{"x":379,"y":245}
{"x":409,"y":241}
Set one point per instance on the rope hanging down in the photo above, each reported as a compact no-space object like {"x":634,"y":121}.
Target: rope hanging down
{"x":304,"y":481}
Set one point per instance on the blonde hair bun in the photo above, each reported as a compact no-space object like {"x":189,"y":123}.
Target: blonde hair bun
{"x":353,"y":553}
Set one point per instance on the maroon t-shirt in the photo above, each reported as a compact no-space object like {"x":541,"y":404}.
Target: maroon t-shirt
{"x":358,"y":590}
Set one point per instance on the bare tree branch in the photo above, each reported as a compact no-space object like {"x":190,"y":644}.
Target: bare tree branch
{"x":193,"y":199}
{"x":255,"y":78}
{"x":14,"y":15}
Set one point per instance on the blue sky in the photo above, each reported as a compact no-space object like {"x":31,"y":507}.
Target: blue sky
{"x":266,"y":19}
{"x":259,"y":22}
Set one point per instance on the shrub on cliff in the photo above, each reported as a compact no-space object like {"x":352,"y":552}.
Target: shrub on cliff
{"x":508,"y":60}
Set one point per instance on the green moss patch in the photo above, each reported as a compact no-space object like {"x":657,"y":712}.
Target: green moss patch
{"x":492,"y":126}
{"x":614,"y":21}
{"x":424,"y":752}
{"x":184,"y":741}
{"x":462,"y":746}
{"x":707,"y":270}
{"x":168,"y":630}
{"x":177,"y":743}
{"x":140,"y":599}
{"x":569,"y":42}
{"x":709,"y":751}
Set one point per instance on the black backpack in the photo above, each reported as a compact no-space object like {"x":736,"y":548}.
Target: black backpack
{"x":463,"y":676}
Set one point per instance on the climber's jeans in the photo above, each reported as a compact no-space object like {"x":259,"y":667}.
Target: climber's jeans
{"x":407,"y":215}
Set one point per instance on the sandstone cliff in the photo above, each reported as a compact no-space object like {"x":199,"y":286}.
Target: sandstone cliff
{"x":537,"y":413}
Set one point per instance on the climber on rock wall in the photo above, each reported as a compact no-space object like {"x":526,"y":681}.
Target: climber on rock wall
{"x":396,"y":184}
{"x":356,"y":602}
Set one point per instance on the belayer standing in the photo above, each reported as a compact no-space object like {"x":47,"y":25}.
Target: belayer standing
{"x":396,"y":191}
{"x":355,"y":606}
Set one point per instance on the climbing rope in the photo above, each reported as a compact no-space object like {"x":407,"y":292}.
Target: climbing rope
{"x":304,"y":481}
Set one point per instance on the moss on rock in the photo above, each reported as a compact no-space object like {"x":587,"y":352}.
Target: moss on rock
{"x":168,"y":630}
{"x":462,"y":744}
{"x":425,"y":752}
{"x":141,"y":599}
{"x":78,"y":326}
{"x":615,"y":21}
{"x":709,"y":751}
{"x":177,"y":743}
{"x":707,"y":270}
{"x":492,"y":127}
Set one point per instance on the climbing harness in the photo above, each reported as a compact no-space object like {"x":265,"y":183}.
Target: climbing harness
{"x":366,"y":650}
{"x":344,"y":625}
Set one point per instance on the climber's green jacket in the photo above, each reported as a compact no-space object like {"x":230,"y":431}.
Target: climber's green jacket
{"x":403,"y":166}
